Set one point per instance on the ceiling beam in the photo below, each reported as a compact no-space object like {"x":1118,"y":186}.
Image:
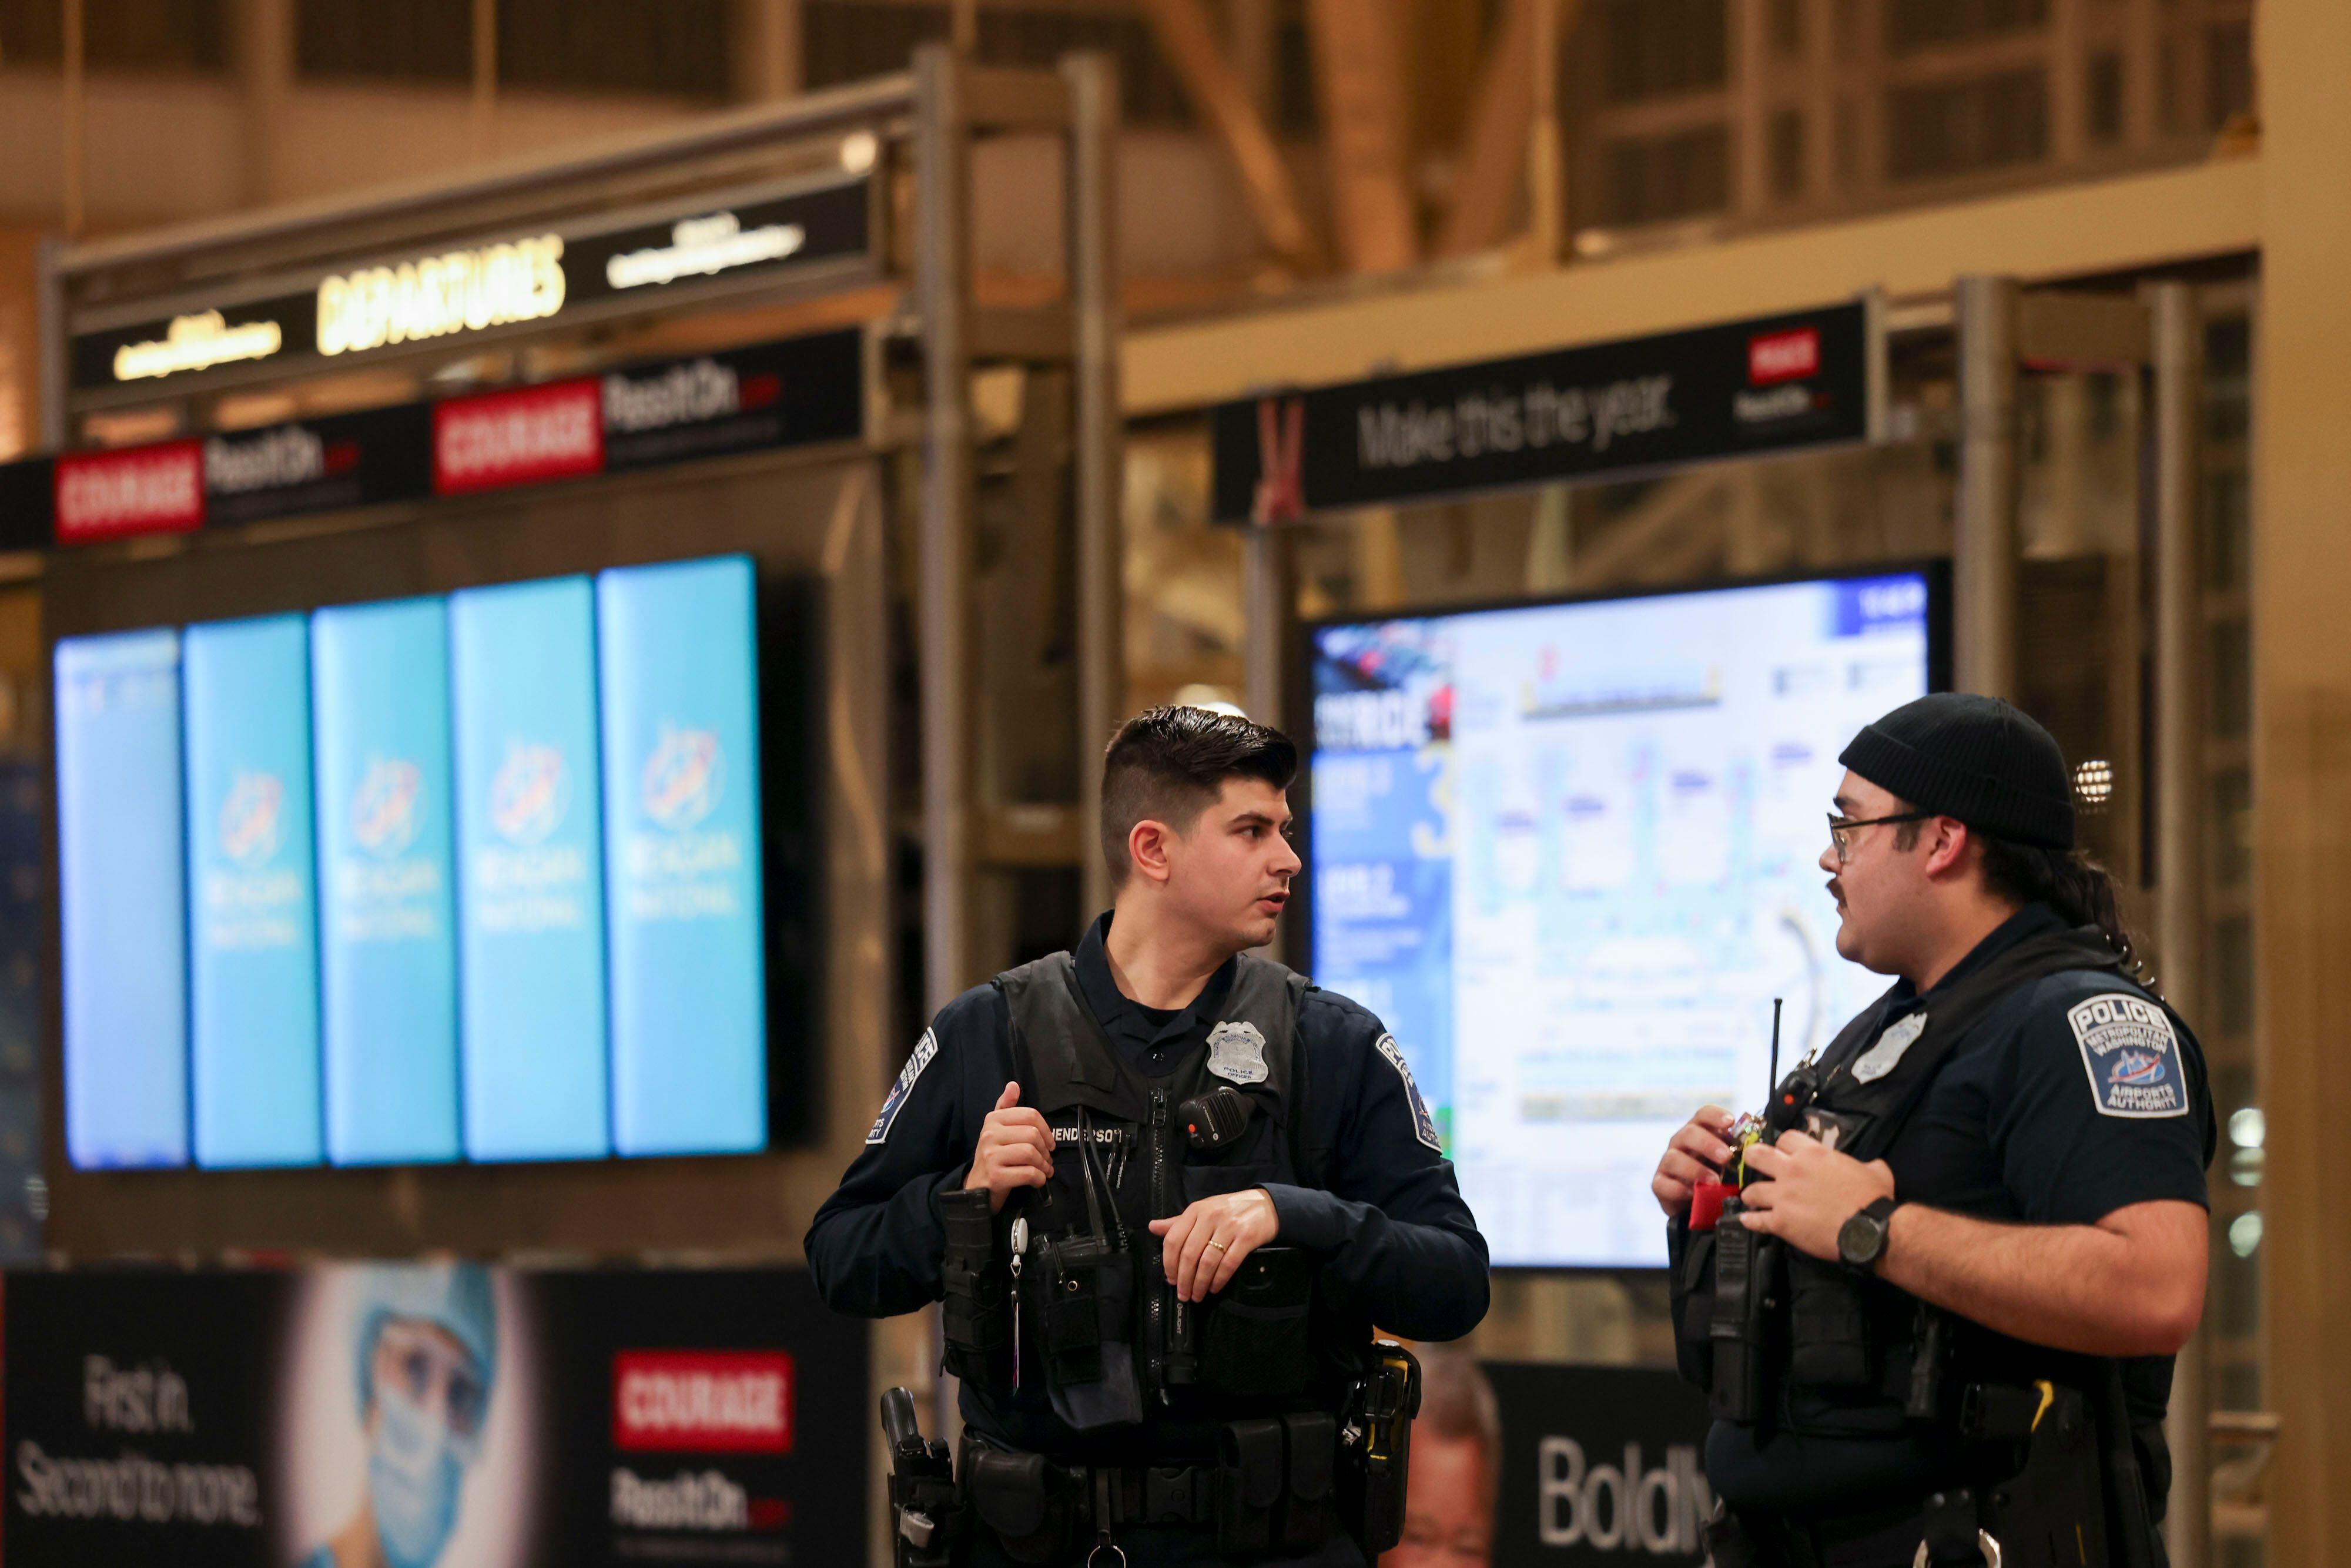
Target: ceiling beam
{"x":1223,"y":98}
{"x":1487,"y":181}
{"x":1359,"y":69}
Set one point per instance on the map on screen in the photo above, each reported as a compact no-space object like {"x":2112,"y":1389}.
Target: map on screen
{"x":1568,"y":852}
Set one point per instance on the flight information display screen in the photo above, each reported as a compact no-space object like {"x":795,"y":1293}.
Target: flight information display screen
{"x":466,"y":877}
{"x":1568,"y":853}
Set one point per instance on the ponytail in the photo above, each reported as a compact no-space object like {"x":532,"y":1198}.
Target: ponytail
{"x":2082,"y":891}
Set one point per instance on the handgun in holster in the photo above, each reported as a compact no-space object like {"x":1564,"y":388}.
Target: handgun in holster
{"x":1375,"y":1436}
{"x":925,"y":1515}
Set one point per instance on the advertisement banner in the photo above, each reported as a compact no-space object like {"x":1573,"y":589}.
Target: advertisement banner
{"x":1600,"y":1465}
{"x":121,"y":899}
{"x":530,"y":868}
{"x":320,"y":464}
{"x":433,"y":1415}
{"x":253,"y":977}
{"x":386,"y":841}
{"x":523,"y":437}
{"x":678,"y":646}
{"x":1740,"y":389}
{"x":793,"y":393}
{"x":105,"y":496}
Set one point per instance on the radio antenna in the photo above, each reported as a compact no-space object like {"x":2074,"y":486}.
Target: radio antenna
{"x":1774,"y":1089}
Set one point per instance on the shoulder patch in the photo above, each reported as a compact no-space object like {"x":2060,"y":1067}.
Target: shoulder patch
{"x":1424,"y":1125}
{"x":925,"y":1050}
{"x":2132,"y":1055}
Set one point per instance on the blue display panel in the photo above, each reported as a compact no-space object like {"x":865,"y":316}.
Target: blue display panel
{"x":123,"y":911}
{"x":253,"y":972}
{"x":678,"y":653}
{"x":530,"y":870}
{"x":388,"y":935}
{"x":1568,"y":853}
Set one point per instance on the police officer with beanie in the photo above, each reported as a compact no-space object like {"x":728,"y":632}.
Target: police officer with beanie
{"x":1164,"y":1189}
{"x":1937,"y":1321}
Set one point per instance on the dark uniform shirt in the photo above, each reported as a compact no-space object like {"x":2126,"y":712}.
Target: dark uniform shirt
{"x":2021,"y":1124}
{"x":1404,"y":1252}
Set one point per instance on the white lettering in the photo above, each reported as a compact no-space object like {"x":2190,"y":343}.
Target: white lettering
{"x":197,"y":342}
{"x":1628,"y":1509}
{"x":290,"y":456}
{"x":697,"y":390}
{"x":463,"y":291}
{"x":700,"y":246}
{"x":705,"y":1501}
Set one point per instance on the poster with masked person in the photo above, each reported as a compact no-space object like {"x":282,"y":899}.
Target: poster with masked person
{"x":438,"y":1415}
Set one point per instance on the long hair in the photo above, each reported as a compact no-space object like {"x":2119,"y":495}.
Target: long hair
{"x":2070,"y":882}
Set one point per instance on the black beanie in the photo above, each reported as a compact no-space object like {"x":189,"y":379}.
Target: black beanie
{"x":1976,"y":758}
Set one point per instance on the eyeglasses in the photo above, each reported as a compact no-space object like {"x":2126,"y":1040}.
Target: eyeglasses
{"x":1842,"y":829}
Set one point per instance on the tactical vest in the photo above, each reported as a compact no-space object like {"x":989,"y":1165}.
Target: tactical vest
{"x":1088,"y":1340}
{"x":1780,"y":1338}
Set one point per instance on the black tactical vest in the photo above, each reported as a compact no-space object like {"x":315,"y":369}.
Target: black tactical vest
{"x":1102,"y":1345}
{"x":1838,"y":1354}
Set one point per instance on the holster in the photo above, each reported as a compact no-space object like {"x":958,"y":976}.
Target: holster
{"x":974,"y":1310}
{"x":1747,"y":1282}
{"x":1376,"y":1428}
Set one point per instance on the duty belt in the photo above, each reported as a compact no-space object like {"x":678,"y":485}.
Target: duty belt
{"x":1270,"y":1488}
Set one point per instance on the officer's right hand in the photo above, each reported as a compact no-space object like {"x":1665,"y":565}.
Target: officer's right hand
{"x":1697,"y":1152}
{"x":1016,"y":1149}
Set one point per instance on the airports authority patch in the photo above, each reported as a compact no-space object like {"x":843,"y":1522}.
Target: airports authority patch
{"x":925,"y":1050}
{"x":1424,"y":1125}
{"x":2132,"y":1055}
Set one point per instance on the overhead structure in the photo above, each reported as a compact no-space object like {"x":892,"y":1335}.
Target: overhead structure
{"x":763,"y":326}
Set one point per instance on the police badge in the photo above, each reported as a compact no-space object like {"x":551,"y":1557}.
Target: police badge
{"x":1237,"y":1052}
{"x":1885,"y":1056}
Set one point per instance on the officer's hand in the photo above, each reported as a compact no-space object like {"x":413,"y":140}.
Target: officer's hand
{"x":1208,"y":1241}
{"x":1016,"y":1149}
{"x":1697,"y":1152}
{"x":1813,"y":1190}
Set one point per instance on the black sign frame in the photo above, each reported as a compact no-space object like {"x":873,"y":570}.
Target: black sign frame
{"x":841,"y":215}
{"x":1751,"y":388}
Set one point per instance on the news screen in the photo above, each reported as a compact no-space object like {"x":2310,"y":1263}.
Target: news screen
{"x":475,"y":877}
{"x":1568,"y":853}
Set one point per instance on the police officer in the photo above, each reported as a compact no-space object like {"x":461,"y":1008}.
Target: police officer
{"x":1942,"y":1311}
{"x":1164,"y":1189}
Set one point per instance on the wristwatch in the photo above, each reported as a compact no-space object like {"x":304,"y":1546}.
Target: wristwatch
{"x":1860,"y":1240}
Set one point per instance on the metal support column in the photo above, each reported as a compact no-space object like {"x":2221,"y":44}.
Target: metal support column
{"x":1984,"y":537}
{"x":2178,"y":360}
{"x":1266,"y":609}
{"x":943,"y":301}
{"x":1099,"y":460}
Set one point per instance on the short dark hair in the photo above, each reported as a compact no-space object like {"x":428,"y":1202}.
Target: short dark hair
{"x":1169,"y":764}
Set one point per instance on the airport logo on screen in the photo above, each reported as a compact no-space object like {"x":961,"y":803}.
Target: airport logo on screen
{"x":384,"y":808}
{"x":1735,"y":390}
{"x":681,"y":873}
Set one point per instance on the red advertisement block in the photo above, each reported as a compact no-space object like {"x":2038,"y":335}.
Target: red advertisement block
{"x":523,"y":437}
{"x":1784,"y":356}
{"x":702,"y":1401}
{"x":117,"y":495}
